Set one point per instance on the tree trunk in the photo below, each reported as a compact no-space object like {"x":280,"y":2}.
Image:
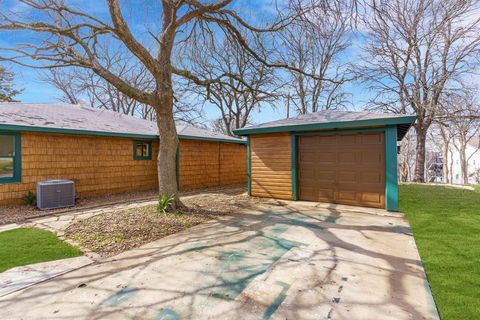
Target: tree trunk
{"x":420,"y":155}
{"x":464,"y":163}
{"x":167,"y":153}
{"x":446,"y":145}
{"x":445,"y":162}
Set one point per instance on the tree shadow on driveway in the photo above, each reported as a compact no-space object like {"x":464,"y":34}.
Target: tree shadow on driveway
{"x":290,"y":261}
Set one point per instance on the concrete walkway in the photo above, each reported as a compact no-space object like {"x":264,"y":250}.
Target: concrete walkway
{"x":22,"y":277}
{"x":25,"y":276}
{"x":299,"y":261}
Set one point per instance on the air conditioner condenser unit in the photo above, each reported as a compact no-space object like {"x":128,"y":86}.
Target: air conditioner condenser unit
{"x":54,"y":194}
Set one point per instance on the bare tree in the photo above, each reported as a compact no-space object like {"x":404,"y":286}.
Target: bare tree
{"x":417,"y":49}
{"x":444,"y":141}
{"x":315,"y":44}
{"x":77,"y":84}
{"x":460,"y":121}
{"x":69,"y":36}
{"x":406,"y":158}
{"x":237,"y":101}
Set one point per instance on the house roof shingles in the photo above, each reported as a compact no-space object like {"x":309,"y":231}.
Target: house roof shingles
{"x":69,"y":118}
{"x":331,"y":119}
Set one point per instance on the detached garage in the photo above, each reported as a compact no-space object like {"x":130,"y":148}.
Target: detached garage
{"x":329,"y":156}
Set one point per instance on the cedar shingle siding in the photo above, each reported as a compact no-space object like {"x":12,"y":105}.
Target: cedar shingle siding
{"x":207,"y":164}
{"x":105,"y":165}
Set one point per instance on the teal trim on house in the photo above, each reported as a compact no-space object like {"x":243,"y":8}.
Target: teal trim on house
{"x":140,"y":142}
{"x":17,"y":158}
{"x":329,"y":125}
{"x":106,"y":134}
{"x":294,"y":168}
{"x":80,"y":132}
{"x":184,"y":137}
{"x":248,"y":167}
{"x":391,"y":169}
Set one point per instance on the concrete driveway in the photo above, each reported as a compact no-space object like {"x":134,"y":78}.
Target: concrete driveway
{"x":299,"y":261}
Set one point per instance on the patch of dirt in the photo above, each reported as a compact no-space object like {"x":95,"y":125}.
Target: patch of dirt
{"x":114,"y":232}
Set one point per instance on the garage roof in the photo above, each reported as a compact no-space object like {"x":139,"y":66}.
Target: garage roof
{"x":332,"y":119}
{"x":77,"y":119}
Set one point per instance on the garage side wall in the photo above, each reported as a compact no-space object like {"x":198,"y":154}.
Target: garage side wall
{"x":98,"y":165}
{"x":271,"y":166}
{"x":206,"y":164}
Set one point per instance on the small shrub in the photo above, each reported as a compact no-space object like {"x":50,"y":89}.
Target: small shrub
{"x":165,"y":202}
{"x":30,"y":199}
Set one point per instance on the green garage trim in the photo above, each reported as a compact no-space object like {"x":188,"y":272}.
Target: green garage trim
{"x":294,"y":168}
{"x":328,"y":125}
{"x":249,"y":171}
{"x":391,"y":173}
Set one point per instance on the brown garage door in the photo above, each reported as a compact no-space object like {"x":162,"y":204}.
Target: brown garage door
{"x":346,"y":169}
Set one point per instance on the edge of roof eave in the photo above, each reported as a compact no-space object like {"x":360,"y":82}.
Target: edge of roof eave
{"x":328,"y":125}
{"x":11,"y":127}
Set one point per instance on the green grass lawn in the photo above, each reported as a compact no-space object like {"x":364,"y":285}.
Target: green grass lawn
{"x":24,"y":246}
{"x":446,"y":226}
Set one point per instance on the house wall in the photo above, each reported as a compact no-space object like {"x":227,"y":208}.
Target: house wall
{"x":207,"y":164}
{"x":473,"y":156}
{"x":98,"y":165}
{"x":105,"y":165}
{"x":271,"y":165}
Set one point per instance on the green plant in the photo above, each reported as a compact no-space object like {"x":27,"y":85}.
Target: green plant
{"x":30,"y":199}
{"x":165,"y":202}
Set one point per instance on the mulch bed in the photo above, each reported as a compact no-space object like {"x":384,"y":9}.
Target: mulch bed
{"x":20,"y":213}
{"x":111,"y":233}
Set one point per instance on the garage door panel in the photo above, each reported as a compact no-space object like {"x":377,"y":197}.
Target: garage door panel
{"x":372,"y":157}
{"x":372,"y":197}
{"x":326,"y":194}
{"x":347,"y":157}
{"x":347,"y":195}
{"x":372,"y":178}
{"x":348,"y":169}
{"x":372,"y":139}
{"x":347,"y":139}
{"x":323,"y":176}
{"x":308,"y":173}
{"x":327,"y":156}
{"x":347,"y":177}
{"x":311,"y":156}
